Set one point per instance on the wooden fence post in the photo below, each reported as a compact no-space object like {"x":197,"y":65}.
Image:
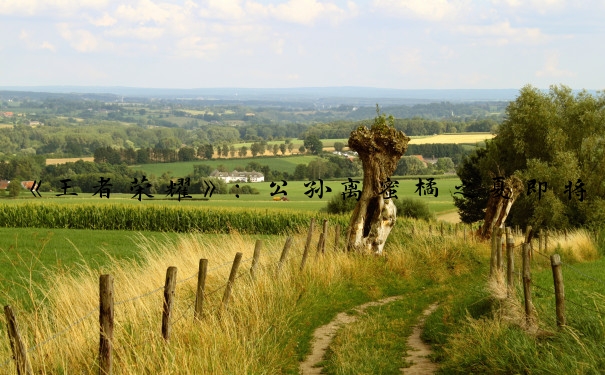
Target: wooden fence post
{"x":308,"y":244}
{"x":528,"y":237}
{"x":527,"y":282}
{"x":493,"y":261}
{"x":320,"y":244}
{"x":232,"y":276}
{"x":441,"y":230}
{"x":498,"y":247}
{"x":347,"y":240}
{"x":284,"y":253}
{"x":325,"y":232}
{"x":557,"y":275}
{"x":169,"y":287}
{"x":106,"y":323}
{"x":255,"y":257}
{"x":510,"y":260}
{"x":201,"y":285}
{"x":17,"y":346}
{"x":336,"y":236}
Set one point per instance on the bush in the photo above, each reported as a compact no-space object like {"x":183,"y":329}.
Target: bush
{"x":337,"y":205}
{"x":413,"y":208}
{"x":244,"y":189}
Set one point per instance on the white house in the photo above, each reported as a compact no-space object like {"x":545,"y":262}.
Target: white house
{"x":237,"y":176}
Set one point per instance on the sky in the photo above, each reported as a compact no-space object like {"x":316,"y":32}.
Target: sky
{"x":400,"y":44}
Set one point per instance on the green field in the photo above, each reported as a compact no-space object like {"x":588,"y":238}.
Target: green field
{"x":298,"y":200}
{"x":180,"y":169}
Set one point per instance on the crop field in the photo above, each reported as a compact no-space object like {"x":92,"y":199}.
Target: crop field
{"x":179,"y":169}
{"x":68,"y":160}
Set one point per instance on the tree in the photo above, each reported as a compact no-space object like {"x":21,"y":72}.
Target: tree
{"x":14,"y":188}
{"x":208,"y":151}
{"x":553,"y":144}
{"x":225,"y":150}
{"x":232,"y":150}
{"x":275,"y":149}
{"x":445,"y":164}
{"x":300,"y":172}
{"x":302,"y":149}
{"x":379,"y":149}
{"x":290,"y":147}
{"x":282,"y":148}
{"x":339,"y":146}
{"x":243,"y":151}
{"x":186,"y":154}
{"x":313,"y":144}
{"x":257,"y":148}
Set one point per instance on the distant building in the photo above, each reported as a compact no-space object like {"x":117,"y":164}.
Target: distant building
{"x":237,"y":176}
{"x":4,"y":184}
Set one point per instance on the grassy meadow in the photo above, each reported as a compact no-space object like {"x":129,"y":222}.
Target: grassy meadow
{"x":268,"y":324}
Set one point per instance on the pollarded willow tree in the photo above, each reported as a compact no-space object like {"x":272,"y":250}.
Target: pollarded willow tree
{"x":379,"y":149}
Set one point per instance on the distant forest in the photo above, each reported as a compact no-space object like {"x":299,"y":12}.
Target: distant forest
{"x":75,"y":125}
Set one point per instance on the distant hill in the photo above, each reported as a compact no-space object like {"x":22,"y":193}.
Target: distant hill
{"x":361,"y":96}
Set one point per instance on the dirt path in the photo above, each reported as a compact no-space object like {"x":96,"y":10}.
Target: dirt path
{"x":322,"y":337}
{"x":419,"y":350}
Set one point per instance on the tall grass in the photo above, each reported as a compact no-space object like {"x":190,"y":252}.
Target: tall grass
{"x":267,"y":325}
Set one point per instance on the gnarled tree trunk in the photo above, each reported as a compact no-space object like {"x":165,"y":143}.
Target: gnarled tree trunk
{"x":499,"y":205}
{"x":379,"y":149}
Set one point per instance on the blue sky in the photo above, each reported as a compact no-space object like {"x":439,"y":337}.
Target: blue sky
{"x":403,"y":44}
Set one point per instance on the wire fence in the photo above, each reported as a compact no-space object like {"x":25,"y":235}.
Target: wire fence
{"x":188,"y":310}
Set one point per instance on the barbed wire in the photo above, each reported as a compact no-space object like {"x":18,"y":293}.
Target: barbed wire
{"x":574,"y":269}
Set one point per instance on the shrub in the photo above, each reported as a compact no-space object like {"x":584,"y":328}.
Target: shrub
{"x":337,"y":205}
{"x":413,"y":208}
{"x":243,"y":189}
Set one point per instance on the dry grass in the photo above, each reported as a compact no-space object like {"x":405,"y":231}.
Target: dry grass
{"x":453,"y":138}
{"x":253,"y":335}
{"x":577,"y":245}
{"x":67,"y":160}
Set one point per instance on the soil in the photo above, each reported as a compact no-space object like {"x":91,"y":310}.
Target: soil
{"x":418,"y":352}
{"x":322,"y":337}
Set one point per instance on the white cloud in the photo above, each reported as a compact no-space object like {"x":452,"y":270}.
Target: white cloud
{"x":551,"y":68}
{"x":31,"y":7}
{"x":196,"y":46}
{"x":223,"y":9}
{"x":48,"y":46}
{"x":143,"y":32}
{"x":81,"y":40}
{"x":430,"y":10}
{"x":502,"y":33}
{"x":105,"y":20}
{"x":304,"y":12}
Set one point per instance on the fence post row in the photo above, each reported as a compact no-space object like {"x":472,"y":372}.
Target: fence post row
{"x":169,"y":288}
{"x":232,"y":275}
{"x":255,"y":257}
{"x":307,"y":244}
{"x":493,"y":256}
{"x":106,"y":323}
{"x":557,"y":275}
{"x":201,"y":285}
{"x":527,"y":282}
{"x":320,"y":244}
{"x":17,"y":346}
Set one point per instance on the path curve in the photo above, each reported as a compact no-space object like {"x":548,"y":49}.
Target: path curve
{"x":419,"y":351}
{"x":322,"y":336}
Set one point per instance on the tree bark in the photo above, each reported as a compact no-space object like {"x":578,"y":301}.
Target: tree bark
{"x":379,"y":149}
{"x":499,"y":205}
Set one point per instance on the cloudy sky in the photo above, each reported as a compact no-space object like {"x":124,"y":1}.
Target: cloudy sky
{"x":404,"y":44}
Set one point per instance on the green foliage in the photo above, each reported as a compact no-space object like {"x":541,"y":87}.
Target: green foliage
{"x":472,"y":201}
{"x":556,"y":138}
{"x":313,"y":144}
{"x":14,"y":189}
{"x":338,"y":205}
{"x":413,"y":208}
{"x":243,"y":189}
